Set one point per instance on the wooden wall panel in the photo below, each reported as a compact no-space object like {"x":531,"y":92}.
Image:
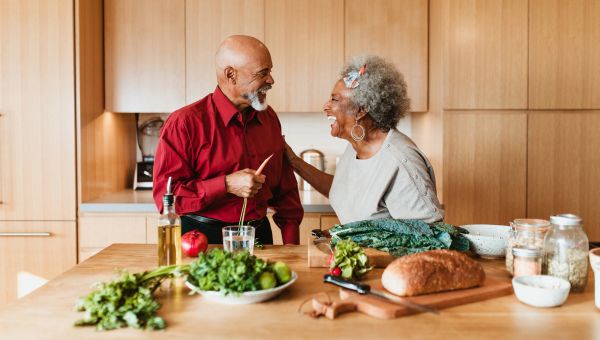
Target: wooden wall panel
{"x":563,"y":166}
{"x":144,"y":55}
{"x":306,"y":40}
{"x":395,"y":30}
{"x":37,"y":115}
{"x":107,"y":145}
{"x":485,"y":166}
{"x":486,"y":59}
{"x":208,"y":22}
{"x":564,"y":63}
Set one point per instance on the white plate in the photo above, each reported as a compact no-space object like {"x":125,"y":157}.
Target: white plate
{"x":242,"y":298}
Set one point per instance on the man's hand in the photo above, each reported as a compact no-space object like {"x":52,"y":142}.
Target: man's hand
{"x":244,"y":183}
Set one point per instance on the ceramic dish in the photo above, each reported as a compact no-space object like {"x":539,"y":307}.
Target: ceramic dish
{"x":541,"y":290}
{"x":488,"y":240}
{"x":243,"y":298}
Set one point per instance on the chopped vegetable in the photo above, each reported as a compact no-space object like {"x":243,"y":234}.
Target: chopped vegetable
{"x":127,"y":301}
{"x":401,"y":237}
{"x":350,"y":259}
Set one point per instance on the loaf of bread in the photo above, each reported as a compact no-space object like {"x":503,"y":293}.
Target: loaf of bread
{"x":430,"y":272}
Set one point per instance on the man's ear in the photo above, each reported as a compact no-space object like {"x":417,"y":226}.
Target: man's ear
{"x":230,"y":74}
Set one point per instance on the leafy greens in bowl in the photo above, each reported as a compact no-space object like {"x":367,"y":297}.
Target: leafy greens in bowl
{"x":237,"y":278}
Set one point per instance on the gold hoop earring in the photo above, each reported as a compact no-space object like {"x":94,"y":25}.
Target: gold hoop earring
{"x":357,"y":136}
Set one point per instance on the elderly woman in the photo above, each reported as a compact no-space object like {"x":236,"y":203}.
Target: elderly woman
{"x":382,"y":173}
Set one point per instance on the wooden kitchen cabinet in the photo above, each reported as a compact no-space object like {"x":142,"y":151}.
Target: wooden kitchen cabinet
{"x":564,"y":54}
{"x":208,"y":22}
{"x":563,"y":163}
{"x":99,"y":230}
{"x":37,"y":113}
{"x":328,"y":221}
{"x":485,"y":59}
{"x":396,"y":31}
{"x":144,"y":55}
{"x":485,"y":166}
{"x":306,"y":40}
{"x":33,"y":252}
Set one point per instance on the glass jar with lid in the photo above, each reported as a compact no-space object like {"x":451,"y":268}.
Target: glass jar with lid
{"x":525,"y":232}
{"x":566,"y":250}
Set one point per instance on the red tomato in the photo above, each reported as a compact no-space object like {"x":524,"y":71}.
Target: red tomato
{"x":193,"y":242}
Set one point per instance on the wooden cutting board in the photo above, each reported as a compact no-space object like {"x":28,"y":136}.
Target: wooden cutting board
{"x":493,"y":287}
{"x":317,"y":258}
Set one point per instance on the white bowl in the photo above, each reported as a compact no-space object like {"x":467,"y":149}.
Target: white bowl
{"x":242,"y":298}
{"x":541,"y":290}
{"x":488,"y":240}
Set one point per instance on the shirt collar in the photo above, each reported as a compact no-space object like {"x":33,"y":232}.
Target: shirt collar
{"x":228,"y":111}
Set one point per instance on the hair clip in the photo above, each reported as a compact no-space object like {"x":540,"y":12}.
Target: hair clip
{"x":351,"y":79}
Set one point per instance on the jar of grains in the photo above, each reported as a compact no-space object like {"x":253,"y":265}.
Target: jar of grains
{"x":525,"y":232}
{"x":566,"y":251}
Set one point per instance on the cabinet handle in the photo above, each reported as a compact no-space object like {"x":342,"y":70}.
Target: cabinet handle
{"x":45,"y":234}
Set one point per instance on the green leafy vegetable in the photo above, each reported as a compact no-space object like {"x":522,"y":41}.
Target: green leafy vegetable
{"x":350,"y":258}
{"x":227,"y":272}
{"x":401,"y":237}
{"x":127,"y":301}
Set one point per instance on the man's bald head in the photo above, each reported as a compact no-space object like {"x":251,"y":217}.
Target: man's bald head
{"x":239,"y":50}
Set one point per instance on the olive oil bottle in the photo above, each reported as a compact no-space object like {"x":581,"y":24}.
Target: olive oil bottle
{"x":169,"y":231}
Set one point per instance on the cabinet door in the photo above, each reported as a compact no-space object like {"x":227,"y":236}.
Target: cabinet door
{"x":208,"y":22}
{"x":396,"y":31}
{"x":306,"y":40}
{"x":564,"y":57}
{"x":563,"y":163}
{"x":31,"y":253}
{"x":486,"y":56}
{"x":98,"y":232}
{"x":144,"y":55}
{"x":484,"y":166}
{"x":37,"y":112}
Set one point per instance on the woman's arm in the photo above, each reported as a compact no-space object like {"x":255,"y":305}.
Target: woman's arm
{"x":320,"y":180}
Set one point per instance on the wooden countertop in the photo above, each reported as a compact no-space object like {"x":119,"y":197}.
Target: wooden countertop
{"x":49,"y":311}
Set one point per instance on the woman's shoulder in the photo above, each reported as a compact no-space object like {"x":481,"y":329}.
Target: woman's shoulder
{"x":401,"y":147}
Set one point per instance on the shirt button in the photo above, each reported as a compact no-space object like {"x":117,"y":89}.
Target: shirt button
{"x":404,"y":160}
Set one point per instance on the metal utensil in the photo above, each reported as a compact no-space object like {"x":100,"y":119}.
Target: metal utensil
{"x":258,"y":172}
{"x":363,"y":289}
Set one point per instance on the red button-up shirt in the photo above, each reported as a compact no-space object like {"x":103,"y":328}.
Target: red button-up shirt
{"x":205,"y":141}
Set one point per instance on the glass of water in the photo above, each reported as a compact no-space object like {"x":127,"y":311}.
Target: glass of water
{"x":238,"y":238}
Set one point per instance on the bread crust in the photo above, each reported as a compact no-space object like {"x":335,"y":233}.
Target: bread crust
{"x":432,"y":271}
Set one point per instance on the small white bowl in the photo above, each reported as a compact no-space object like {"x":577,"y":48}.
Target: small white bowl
{"x":541,"y":290}
{"x":488,"y":240}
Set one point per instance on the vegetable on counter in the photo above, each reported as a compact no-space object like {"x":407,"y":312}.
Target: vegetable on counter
{"x":401,"y":237}
{"x":127,"y":301}
{"x":349,"y":260}
{"x":193,"y":242}
{"x":235,"y":273}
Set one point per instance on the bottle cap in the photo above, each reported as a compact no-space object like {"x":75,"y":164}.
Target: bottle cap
{"x":526,"y":251}
{"x":566,"y":219}
{"x":168,"y":198}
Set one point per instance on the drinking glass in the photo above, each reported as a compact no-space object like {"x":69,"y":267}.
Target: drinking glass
{"x":238,"y":238}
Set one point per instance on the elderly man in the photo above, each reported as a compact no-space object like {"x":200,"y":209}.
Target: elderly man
{"x":212,"y":148}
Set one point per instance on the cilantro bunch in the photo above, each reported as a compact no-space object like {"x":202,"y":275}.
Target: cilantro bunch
{"x":127,"y":301}
{"x":227,"y":272}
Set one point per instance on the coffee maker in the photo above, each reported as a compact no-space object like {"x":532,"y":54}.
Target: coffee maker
{"x":147,"y":137}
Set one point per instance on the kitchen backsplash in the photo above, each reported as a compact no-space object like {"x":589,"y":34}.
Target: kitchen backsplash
{"x":305,"y":131}
{"x":311,"y":131}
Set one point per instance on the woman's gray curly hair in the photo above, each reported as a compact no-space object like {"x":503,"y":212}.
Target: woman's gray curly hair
{"x":381,"y":91}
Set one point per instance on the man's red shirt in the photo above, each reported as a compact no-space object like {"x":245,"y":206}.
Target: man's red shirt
{"x":205,"y":141}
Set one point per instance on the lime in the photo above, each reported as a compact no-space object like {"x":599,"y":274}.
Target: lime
{"x":283,"y":272}
{"x":267,"y":280}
